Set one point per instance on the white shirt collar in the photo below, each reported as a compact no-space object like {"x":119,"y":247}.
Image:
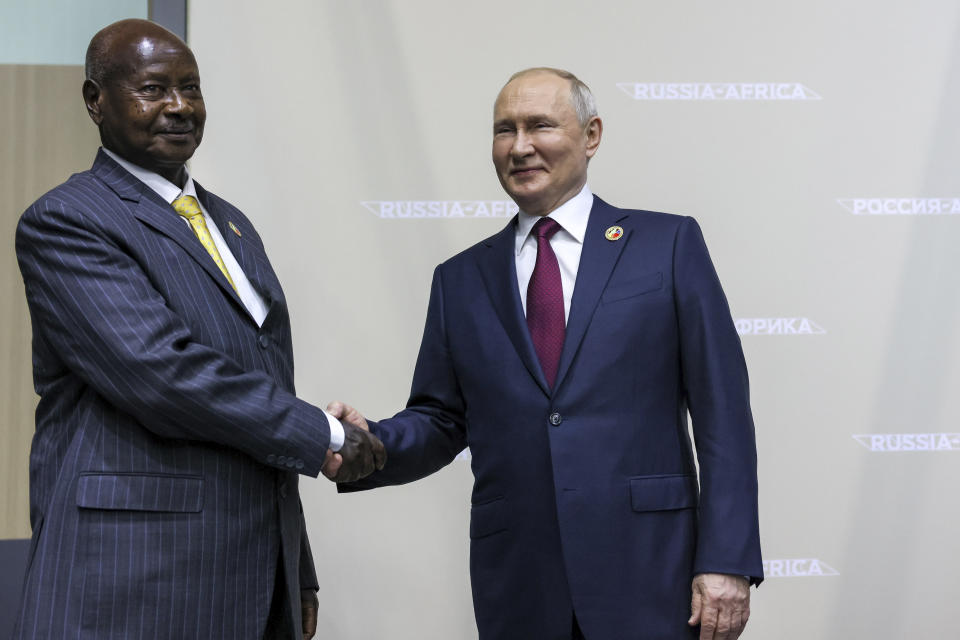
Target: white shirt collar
{"x":164,"y":188}
{"x":572,"y":216}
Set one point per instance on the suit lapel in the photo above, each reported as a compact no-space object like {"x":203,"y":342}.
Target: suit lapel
{"x":151,"y":209}
{"x":499,"y":272}
{"x":236,"y":243}
{"x":251,"y":260}
{"x":597,"y":261}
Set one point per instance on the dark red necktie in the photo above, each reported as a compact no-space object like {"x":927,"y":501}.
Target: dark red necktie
{"x":545,"y":301}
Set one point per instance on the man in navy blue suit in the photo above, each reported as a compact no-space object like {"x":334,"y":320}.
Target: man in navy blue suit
{"x":163,"y":473}
{"x":567,"y":351}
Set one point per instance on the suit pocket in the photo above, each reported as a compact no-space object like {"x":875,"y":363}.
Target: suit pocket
{"x":663,"y":493}
{"x":633,"y":287}
{"x":488,"y":518}
{"x":140,"y":492}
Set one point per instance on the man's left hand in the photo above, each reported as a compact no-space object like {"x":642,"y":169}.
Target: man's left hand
{"x":308,"y":610}
{"x":720,"y":605}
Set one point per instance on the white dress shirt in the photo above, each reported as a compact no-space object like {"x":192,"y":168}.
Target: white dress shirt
{"x":567,"y":244}
{"x":251,"y":299}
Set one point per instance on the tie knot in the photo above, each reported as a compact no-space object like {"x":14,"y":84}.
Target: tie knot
{"x":546,"y":227}
{"x":187,"y":206}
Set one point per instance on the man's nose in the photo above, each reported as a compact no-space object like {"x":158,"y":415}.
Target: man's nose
{"x":522,"y":144}
{"x":177,"y":103}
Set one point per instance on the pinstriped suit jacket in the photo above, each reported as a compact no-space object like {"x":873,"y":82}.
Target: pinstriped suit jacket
{"x":163,"y":471}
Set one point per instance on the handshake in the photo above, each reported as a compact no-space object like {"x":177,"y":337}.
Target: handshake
{"x":362,"y":452}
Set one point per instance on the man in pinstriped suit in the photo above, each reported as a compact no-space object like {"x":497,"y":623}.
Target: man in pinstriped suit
{"x":164,"y":499}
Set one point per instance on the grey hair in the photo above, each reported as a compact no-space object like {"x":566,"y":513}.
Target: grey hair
{"x":580,"y":95}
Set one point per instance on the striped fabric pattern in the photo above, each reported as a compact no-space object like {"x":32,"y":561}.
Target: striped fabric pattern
{"x":158,"y":507}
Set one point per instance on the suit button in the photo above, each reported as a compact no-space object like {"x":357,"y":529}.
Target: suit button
{"x":271,"y":459}
{"x":283,"y":489}
{"x":555,"y":419}
{"x":299,"y":464}
{"x":291,"y":463}
{"x":281,"y":460}
{"x":263,"y":340}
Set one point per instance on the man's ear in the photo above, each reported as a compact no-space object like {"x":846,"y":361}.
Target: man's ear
{"x":93,"y":98}
{"x":593,"y":132}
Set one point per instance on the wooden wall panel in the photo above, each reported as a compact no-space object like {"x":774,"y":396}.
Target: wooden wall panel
{"x":46,"y":136}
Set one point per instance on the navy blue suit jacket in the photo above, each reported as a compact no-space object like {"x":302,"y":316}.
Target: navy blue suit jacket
{"x":163,"y":472}
{"x":586,"y":497}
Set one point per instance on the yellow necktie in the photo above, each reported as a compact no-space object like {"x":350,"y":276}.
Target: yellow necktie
{"x":189,"y":208}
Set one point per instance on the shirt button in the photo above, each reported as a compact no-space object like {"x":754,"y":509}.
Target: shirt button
{"x":263,"y":340}
{"x":283,"y":489}
{"x":555,"y":419}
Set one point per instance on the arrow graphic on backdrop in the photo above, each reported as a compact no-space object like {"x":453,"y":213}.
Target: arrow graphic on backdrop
{"x":901,"y":206}
{"x":777,"y":327}
{"x":797,"y":568}
{"x":896,"y":442}
{"x":423,"y":209}
{"x":726,"y":91}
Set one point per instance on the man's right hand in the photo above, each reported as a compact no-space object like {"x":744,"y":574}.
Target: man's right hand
{"x":362,"y":453}
{"x":345,"y":413}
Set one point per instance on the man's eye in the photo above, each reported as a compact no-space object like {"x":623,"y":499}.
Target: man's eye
{"x":151,"y":89}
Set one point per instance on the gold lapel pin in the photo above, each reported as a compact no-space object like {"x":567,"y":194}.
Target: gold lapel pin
{"x":614,"y":233}
{"x":233,"y":228}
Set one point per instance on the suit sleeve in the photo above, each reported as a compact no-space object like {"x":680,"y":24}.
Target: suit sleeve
{"x":96,"y":309}
{"x":717,"y":391}
{"x":431,"y":431}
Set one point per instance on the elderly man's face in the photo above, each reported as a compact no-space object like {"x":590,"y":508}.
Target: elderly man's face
{"x":151,"y":111}
{"x":540,"y":149}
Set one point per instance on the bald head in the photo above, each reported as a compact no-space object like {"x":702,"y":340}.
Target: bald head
{"x":114,"y":45}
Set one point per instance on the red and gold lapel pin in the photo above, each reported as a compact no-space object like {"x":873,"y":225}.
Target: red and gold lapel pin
{"x":613,"y":233}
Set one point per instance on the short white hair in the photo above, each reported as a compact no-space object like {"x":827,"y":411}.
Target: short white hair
{"x":580,"y":95}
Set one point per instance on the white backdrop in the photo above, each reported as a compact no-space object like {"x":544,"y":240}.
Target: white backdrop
{"x":823,"y":138}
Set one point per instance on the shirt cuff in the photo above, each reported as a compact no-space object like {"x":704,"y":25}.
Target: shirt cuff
{"x":336,"y":432}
